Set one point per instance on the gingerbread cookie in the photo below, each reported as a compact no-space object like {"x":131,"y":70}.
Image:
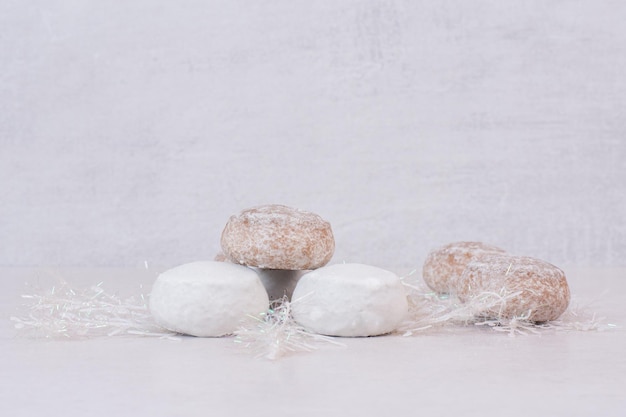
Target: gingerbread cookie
{"x":278,"y":237}
{"x":515,"y":286}
{"x":443,"y":266}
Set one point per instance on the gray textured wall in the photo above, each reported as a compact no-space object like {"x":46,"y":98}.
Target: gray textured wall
{"x":130,"y":131}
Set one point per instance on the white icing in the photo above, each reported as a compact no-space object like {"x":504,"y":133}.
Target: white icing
{"x":350,"y":300}
{"x":207,"y":298}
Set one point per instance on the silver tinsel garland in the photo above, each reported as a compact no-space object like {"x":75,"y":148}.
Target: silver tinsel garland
{"x":68,"y":313}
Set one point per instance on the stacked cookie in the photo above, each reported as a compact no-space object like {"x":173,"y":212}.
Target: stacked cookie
{"x":519,"y":286}
{"x":280,"y":243}
{"x":285,"y":250}
{"x":278,"y":237}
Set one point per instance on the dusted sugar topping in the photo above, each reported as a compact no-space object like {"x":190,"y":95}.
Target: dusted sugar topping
{"x":350,"y":300}
{"x":529,"y":288}
{"x":278,"y":237}
{"x":445,"y":265}
{"x":207,"y":299}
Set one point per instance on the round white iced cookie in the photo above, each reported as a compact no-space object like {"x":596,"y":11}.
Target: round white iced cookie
{"x":349,"y":300}
{"x":207,"y":299}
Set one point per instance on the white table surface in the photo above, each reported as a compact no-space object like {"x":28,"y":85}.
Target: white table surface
{"x":466,"y":372}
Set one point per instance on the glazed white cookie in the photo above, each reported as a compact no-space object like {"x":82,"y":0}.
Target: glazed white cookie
{"x":278,"y":237}
{"x":445,"y":265}
{"x":349,"y":300}
{"x":207,"y":299}
{"x":529,"y":288}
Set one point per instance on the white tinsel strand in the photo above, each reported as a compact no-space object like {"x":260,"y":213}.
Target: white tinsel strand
{"x":277,"y":334}
{"x":431,"y":311}
{"x":66,"y":312}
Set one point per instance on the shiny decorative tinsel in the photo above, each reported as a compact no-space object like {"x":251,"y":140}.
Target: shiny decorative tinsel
{"x":65,"y":312}
{"x":277,"y":334}
{"x":429,"y":311}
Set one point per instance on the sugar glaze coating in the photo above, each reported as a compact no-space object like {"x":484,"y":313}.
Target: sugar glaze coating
{"x":207,"y":299}
{"x":278,"y":237}
{"x":529,"y":288}
{"x":445,"y":265}
{"x":350,"y":300}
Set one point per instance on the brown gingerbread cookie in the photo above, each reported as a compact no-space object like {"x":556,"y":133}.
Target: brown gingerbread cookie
{"x":278,"y":237}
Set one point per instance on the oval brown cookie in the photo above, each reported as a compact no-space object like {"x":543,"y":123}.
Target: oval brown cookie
{"x":518,"y":286}
{"x":443,"y":266}
{"x":278,"y":237}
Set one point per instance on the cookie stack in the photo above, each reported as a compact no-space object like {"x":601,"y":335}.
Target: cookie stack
{"x":270,"y":252}
{"x":281,"y":243}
